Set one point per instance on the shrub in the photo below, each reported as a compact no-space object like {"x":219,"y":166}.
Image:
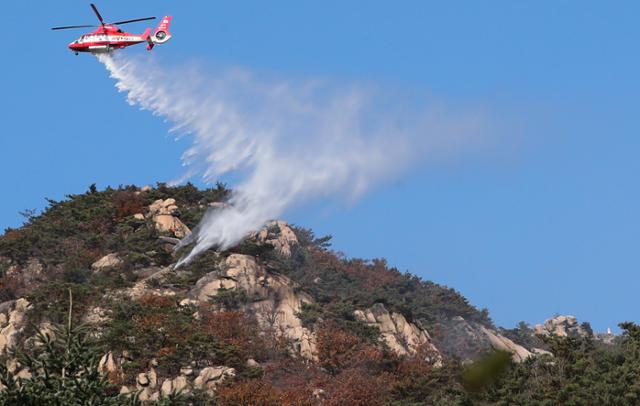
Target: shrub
{"x":309,"y":313}
{"x":127,"y":203}
{"x":336,"y":348}
{"x":230,"y":299}
{"x":253,"y":392}
{"x":356,"y":387}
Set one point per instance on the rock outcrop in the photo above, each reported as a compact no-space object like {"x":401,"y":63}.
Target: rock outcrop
{"x":32,"y":271}
{"x":280,"y":235}
{"x":402,"y":337}
{"x":179,"y":384}
{"x":275,"y":300}
{"x":151,"y":386}
{"x":142,"y":287}
{"x":211,"y":377}
{"x":106,"y":262}
{"x":163,"y":213}
{"x":502,"y":343}
{"x":12,"y":322}
{"x":146,"y":385}
{"x":561,"y":326}
{"x":483,"y":338}
{"x":111,"y":366}
{"x":108,"y":364}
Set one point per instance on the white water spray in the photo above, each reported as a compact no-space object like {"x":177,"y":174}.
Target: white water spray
{"x":286,"y":141}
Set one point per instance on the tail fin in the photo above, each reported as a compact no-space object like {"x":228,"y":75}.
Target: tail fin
{"x":162,"y":34}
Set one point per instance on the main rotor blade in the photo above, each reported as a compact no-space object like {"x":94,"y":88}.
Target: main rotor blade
{"x":73,"y":26}
{"x":95,"y":10}
{"x":133,"y":21}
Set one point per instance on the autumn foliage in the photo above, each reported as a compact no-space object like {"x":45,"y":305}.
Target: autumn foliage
{"x":336,"y":348}
{"x":259,"y":392}
{"x":357,"y":387}
{"x":127,"y":203}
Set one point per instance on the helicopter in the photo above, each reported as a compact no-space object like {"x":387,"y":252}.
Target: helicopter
{"x":108,"y":36}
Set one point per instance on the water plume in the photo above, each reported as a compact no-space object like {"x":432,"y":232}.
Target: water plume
{"x":284,"y":141}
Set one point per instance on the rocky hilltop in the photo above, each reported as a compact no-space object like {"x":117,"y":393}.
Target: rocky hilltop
{"x":280,"y":319}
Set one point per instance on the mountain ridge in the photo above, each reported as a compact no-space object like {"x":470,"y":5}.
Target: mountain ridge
{"x":279,"y":304}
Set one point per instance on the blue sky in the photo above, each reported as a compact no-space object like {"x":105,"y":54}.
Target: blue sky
{"x":545,"y":222}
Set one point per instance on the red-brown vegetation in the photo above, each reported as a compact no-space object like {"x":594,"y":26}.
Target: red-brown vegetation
{"x":357,"y":387}
{"x":258,"y":392}
{"x":336,"y":348}
{"x":127,"y":203}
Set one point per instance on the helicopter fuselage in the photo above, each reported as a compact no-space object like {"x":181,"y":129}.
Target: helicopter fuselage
{"x":107,"y":39}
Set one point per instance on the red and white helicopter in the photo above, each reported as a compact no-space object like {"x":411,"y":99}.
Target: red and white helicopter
{"x":109,"y":37}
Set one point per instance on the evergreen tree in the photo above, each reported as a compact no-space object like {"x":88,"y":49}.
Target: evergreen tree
{"x":63,"y":364}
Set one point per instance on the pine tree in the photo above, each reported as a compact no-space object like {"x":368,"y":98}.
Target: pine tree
{"x":64,"y":371}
